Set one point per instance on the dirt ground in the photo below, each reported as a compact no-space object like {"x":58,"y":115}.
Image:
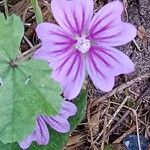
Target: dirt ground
{"x":126,"y":109}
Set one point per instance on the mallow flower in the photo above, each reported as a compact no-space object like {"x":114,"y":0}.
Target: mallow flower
{"x":58,"y":123}
{"x":84,"y":44}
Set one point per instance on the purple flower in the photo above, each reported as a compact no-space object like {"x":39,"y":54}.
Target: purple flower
{"x":83,"y":43}
{"x":58,"y":123}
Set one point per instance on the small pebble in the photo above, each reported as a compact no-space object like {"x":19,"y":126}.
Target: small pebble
{"x":131,"y":142}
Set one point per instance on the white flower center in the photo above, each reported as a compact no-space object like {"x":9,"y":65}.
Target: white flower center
{"x":83,"y":44}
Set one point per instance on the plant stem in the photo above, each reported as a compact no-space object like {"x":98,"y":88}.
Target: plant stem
{"x":6,"y":8}
{"x":28,"y":54}
{"x":37,"y":11}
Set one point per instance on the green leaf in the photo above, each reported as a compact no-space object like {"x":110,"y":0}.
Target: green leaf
{"x":81,"y":103}
{"x":58,"y":140}
{"x":13,"y":146}
{"x":37,"y":11}
{"x":4,"y":146}
{"x":109,"y":147}
{"x":26,"y":89}
{"x":11,"y":33}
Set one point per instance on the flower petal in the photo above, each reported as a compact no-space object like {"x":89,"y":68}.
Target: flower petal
{"x":66,"y":62}
{"x":40,"y":135}
{"x":70,"y":72}
{"x":107,"y":17}
{"x":55,"y":42}
{"x":73,"y":15}
{"x":103,"y":64}
{"x":60,"y":122}
{"x":68,"y":109}
{"x":51,"y":32}
{"x":26,"y":142}
{"x":127,"y":34}
{"x":107,"y":28}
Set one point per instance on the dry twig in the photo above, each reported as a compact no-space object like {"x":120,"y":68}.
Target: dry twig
{"x":120,"y":88}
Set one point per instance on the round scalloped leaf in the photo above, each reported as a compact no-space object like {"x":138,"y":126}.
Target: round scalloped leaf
{"x":26,"y":89}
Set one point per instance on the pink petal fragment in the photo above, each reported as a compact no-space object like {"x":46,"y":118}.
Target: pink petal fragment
{"x":60,"y":122}
{"x":73,"y":15}
{"x":55,"y":42}
{"x":26,"y":143}
{"x":107,"y":28}
{"x":68,"y":109}
{"x":127,"y":34}
{"x":52,"y":53}
{"x":106,"y":18}
{"x":40,"y":135}
{"x":104,"y":63}
{"x":52,"y":33}
{"x":70,"y":72}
